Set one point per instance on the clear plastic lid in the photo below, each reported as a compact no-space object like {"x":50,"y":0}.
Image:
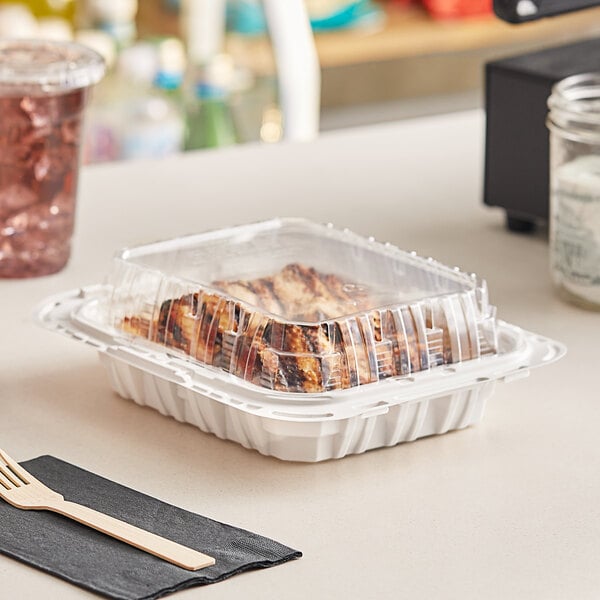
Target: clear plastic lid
{"x":294,"y":306}
{"x":47,"y":67}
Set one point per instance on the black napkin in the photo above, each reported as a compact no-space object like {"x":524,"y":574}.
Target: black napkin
{"x":101,"y":564}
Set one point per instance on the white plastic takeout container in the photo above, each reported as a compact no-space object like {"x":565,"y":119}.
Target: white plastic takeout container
{"x":204,"y":329}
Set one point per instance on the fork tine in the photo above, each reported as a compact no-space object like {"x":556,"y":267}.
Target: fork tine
{"x":5,"y":483}
{"x":21,"y":473}
{"x":8,"y":474}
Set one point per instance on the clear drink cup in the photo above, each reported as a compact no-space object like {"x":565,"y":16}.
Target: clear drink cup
{"x":44,"y":88}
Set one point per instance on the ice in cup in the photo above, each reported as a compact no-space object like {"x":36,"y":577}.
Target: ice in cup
{"x":44,"y":86}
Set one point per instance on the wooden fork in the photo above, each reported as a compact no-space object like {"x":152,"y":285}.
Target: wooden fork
{"x":23,"y":490}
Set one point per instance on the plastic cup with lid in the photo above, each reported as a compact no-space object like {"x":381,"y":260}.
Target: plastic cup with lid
{"x":44,"y":87}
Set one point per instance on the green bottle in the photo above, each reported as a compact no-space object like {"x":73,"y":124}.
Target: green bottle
{"x":209,"y":119}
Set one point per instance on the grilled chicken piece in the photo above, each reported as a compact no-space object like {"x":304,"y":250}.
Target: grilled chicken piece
{"x":307,"y":297}
{"x":136,"y":326}
{"x":301,"y":358}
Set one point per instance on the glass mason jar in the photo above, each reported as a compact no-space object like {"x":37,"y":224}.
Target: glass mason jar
{"x":574,"y":124}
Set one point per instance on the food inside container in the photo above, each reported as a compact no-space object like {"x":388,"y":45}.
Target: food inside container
{"x":292,"y":306}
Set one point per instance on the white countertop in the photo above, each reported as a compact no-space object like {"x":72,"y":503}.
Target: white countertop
{"x":507,"y":509}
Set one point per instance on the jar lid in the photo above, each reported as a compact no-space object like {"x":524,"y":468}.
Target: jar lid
{"x":38,"y":66}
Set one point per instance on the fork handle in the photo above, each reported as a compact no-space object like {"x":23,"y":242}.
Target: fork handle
{"x":168,"y":550}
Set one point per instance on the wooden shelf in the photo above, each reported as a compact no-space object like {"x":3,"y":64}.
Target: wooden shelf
{"x":410,"y":32}
{"x":412,"y":55}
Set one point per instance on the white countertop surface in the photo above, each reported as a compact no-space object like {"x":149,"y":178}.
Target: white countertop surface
{"x":507,"y":509}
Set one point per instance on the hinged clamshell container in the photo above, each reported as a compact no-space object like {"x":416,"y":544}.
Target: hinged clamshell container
{"x":290,"y":305}
{"x":298,"y":340}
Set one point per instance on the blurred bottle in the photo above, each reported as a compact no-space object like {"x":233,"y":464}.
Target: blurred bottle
{"x":154,"y":123}
{"x":210,"y":122}
{"x":209,"y":119}
{"x":170,"y":68}
{"x":115,"y":17}
{"x":202,"y":25}
{"x":151,"y":121}
{"x":137,"y":112}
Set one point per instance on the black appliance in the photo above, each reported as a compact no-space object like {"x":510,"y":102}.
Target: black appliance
{"x":516,"y":92}
{"x":519,"y":11}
